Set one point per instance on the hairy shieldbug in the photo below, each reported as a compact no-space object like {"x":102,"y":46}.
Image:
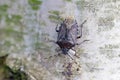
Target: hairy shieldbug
{"x":67,"y":34}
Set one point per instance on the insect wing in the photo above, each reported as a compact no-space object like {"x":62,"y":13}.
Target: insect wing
{"x":62,"y":32}
{"x":73,"y":33}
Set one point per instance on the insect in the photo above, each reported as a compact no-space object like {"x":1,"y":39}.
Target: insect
{"x":67,"y":34}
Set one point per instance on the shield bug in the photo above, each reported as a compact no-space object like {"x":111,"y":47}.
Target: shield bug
{"x":67,"y":34}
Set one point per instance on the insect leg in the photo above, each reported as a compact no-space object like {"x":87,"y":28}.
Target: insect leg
{"x":57,"y":29}
{"x":82,"y":42}
{"x":83,"y":23}
{"x":81,"y":29}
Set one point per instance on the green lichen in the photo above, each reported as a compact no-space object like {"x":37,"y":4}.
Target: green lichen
{"x":3,"y":10}
{"x":81,"y":4}
{"x":105,"y":23}
{"x":8,"y":31}
{"x":8,"y":43}
{"x":16,"y":19}
{"x":42,"y":23}
{"x":35,"y":4}
{"x":35,"y":7}
{"x":110,"y":46}
{"x":54,"y":12}
{"x":41,"y":46}
{"x":7,"y":73}
{"x":55,"y":16}
{"x":10,"y":38}
{"x":11,"y":33}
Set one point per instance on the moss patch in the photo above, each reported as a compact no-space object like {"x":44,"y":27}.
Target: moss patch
{"x":55,"y":16}
{"x":35,"y":4}
{"x":3,"y":10}
{"x":7,"y":73}
{"x":13,"y":19}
